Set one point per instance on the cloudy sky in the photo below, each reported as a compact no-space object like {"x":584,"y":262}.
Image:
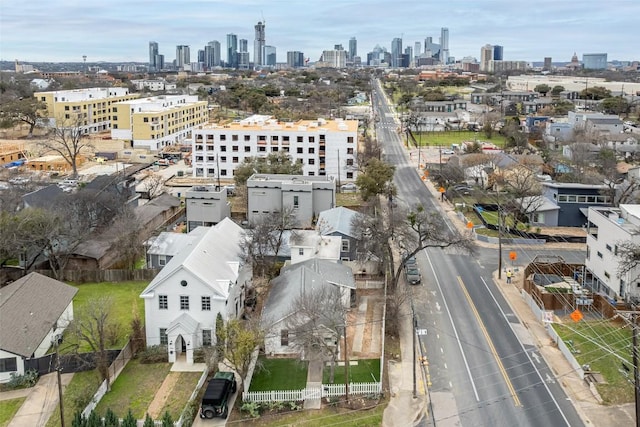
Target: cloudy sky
{"x":119,"y":30}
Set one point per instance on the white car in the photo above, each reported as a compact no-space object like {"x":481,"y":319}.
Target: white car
{"x":449,"y":152}
{"x":348,"y":187}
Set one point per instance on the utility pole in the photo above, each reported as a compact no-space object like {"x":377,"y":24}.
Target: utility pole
{"x":413,"y":334}
{"x":499,"y":236}
{"x":346,"y":365}
{"x":58,"y":369}
{"x":636,"y":378}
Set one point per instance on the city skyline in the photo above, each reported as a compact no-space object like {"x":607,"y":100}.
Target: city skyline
{"x":119,"y":31}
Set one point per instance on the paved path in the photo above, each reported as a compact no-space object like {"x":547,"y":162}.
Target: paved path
{"x":41,"y":402}
{"x":15,"y":394}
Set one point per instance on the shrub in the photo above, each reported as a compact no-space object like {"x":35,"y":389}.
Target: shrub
{"x":148,"y":422}
{"x":252,"y":408}
{"x":167,"y":421}
{"x":189,"y":414}
{"x":110,"y":419}
{"x":295,"y":406}
{"x":154,"y":354}
{"x":26,"y":380}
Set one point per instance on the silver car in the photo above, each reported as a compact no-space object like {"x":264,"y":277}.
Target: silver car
{"x":413,"y":275}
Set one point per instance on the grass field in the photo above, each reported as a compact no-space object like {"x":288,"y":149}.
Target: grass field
{"x":135,"y":388}
{"x":279,"y":374}
{"x":76,"y":396}
{"x":589,"y":338}
{"x":369,"y":417}
{"x":126,"y":301}
{"x":366,"y":371}
{"x":8,"y":409}
{"x":446,"y":138}
{"x":181,"y":392}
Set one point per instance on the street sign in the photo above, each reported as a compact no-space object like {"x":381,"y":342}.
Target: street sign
{"x":576,"y":315}
{"x":421,"y":331}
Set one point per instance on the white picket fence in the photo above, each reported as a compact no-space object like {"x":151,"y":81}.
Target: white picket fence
{"x":324,"y":390}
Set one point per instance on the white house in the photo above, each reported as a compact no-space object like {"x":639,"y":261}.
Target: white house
{"x":607,"y":228}
{"x":205,"y":278}
{"x":34,"y":311}
{"x":307,"y":244}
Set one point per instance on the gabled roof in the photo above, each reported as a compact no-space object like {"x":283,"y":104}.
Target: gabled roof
{"x":155,"y":207}
{"x":285,"y":288}
{"x":214,"y":259}
{"x":334,"y":273}
{"x":336,"y":220}
{"x":43,"y":197}
{"x":327,"y":247}
{"x":170,"y":243}
{"x":184,"y":321}
{"x":29,"y":307}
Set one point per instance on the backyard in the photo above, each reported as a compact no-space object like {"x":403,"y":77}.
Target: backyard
{"x":279,"y":374}
{"x":369,"y":416}
{"x":8,"y":409}
{"x":593,"y":343}
{"x":446,"y":138}
{"x":363,"y":371}
{"x":76,"y":396}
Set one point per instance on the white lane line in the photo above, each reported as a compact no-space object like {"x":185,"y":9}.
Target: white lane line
{"x":527,"y":353}
{"x":453,"y":325}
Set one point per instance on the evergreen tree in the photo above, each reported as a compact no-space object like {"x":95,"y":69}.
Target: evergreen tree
{"x":78,"y":420}
{"x":94,"y":420}
{"x":148,"y":421}
{"x":110,"y":419}
{"x":167,"y":421}
{"x":129,"y":420}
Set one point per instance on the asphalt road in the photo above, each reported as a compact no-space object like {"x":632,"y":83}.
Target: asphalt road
{"x":483,"y":369}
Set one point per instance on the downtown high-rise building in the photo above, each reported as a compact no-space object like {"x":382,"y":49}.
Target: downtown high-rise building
{"x":183,"y":56}
{"x":295,"y":59}
{"x":396,"y":52}
{"x":232,"y":51}
{"x":498,"y":53}
{"x":486,"y":55}
{"x":243,"y":54}
{"x":258,"y":45}
{"x":270,"y":56}
{"x":153,"y":53}
{"x":212,"y":54}
{"x":353,"y":49}
{"x":444,"y":45}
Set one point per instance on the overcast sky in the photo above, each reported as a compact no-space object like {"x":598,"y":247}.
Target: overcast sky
{"x":119,"y":30}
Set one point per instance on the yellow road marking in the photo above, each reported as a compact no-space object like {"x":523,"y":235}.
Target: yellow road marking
{"x":503,"y":371}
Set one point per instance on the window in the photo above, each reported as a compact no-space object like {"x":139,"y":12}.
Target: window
{"x":162,"y":260}
{"x":223,"y":159}
{"x":608,"y":247}
{"x":349,"y":162}
{"x":606,"y":274}
{"x":312,"y":161}
{"x":312,"y":150}
{"x":300,"y":251}
{"x":274,"y":149}
{"x":8,"y":364}
{"x":299,"y":139}
{"x":146,"y":120}
{"x":346,"y":244}
{"x":223,"y":137}
{"x":247,"y":149}
{"x":299,"y":150}
{"x":163,"y":302}
{"x":285,"y":139}
{"x":206,"y":303}
{"x":184,"y":302}
{"x":349,"y":150}
{"x":211,"y":171}
{"x":247,"y":137}
{"x":262,"y":149}
{"x":163,"y":336}
{"x":349,"y":139}
{"x":284,"y":337}
{"x":274,"y":138}
{"x":312,"y":139}
{"x":235,"y":160}
{"x":223,"y":148}
{"x":349,"y":175}
{"x":599,"y":254}
{"x":234,"y":137}
{"x":206,"y":338}
{"x":296,"y":202}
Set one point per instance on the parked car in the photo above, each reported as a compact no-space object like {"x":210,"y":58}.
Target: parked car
{"x":449,"y":152}
{"x":410,"y":262}
{"x":215,"y":401}
{"x":349,"y":187}
{"x":413,"y":275}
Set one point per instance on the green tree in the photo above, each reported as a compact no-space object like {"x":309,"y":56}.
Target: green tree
{"x":148,"y":421}
{"x":28,"y":110}
{"x":376,"y":179}
{"x":615,"y":105}
{"x":110,"y":419}
{"x":242,"y":337}
{"x":129,"y":420}
{"x":94,"y":420}
{"x":78,"y":420}
{"x":595,"y":93}
{"x":557,"y":90}
{"x":167,"y":421}
{"x":278,"y":163}
{"x":542,"y":89}
{"x":220,"y":334}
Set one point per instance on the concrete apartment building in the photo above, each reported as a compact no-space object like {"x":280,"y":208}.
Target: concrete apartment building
{"x":325,"y":147}
{"x":206,"y":206}
{"x":92,"y":105}
{"x":307,"y":195}
{"x":607,"y":228}
{"x":158,"y":121}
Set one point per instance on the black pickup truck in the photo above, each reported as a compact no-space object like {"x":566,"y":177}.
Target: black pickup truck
{"x":215,"y":402}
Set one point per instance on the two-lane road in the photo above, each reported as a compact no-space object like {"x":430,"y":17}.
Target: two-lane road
{"x":483,"y":369}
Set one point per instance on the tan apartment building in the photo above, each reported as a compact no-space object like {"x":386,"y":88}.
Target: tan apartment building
{"x":158,"y":121}
{"x":91,"y":105}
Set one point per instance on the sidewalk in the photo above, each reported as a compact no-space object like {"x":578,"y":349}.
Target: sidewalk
{"x":41,"y":402}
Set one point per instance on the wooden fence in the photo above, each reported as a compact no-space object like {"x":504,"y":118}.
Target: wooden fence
{"x":93,"y":276}
{"x":324,"y":390}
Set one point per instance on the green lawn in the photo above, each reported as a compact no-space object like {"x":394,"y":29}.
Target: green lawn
{"x":279,"y":374}
{"x":181,"y":392}
{"x":446,"y":138}
{"x":366,"y":371}
{"x":369,"y":417}
{"x":618,"y":389}
{"x":76,"y":396}
{"x":135,"y":388}
{"x":126,"y":301}
{"x":348,"y":199}
{"x":8,"y":409}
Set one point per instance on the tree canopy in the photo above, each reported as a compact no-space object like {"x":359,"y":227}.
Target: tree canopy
{"x":278,"y":163}
{"x":376,"y":179}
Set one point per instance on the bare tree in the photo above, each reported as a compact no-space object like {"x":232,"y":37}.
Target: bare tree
{"x":628,"y":253}
{"x":68,"y":139}
{"x":153,"y":185}
{"x":318,"y":322}
{"x":241,"y":338}
{"x":126,"y":229}
{"x":91,"y":326}
{"x":522,"y":186}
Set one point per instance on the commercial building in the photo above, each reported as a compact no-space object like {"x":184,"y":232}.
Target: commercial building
{"x":258,"y":45}
{"x":270,"y":56}
{"x":295,"y":59}
{"x":212,"y":54}
{"x":607,"y":227}
{"x":324,"y":147}
{"x":353,"y":49}
{"x":305,"y":196}
{"x":486,"y":55}
{"x":594,"y":61}
{"x":89,"y":108}
{"x":444,"y":45}
{"x":232,"y":51}
{"x":183,"y":57}
{"x":206,"y":206}
{"x":396,"y":52}
{"x":158,"y":121}
{"x":243,"y":54}
{"x":153,"y":54}
{"x":498,"y":53}
{"x":333,"y":58}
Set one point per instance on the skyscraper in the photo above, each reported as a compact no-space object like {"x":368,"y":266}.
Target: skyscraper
{"x":183,"y":56}
{"x":444,"y":45}
{"x":212,"y":54}
{"x":270,"y":56}
{"x":258,"y":45}
{"x":486,"y":55}
{"x":243,"y":54}
{"x":498,"y":53}
{"x":295,"y":59}
{"x":396,"y":52}
{"x":353,"y":49}
{"x":232,"y":51}
{"x":153,"y":52}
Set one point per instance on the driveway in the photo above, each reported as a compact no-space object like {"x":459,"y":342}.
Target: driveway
{"x":41,"y":402}
{"x":215,"y":422}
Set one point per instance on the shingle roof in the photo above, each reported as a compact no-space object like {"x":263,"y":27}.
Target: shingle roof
{"x":43,"y":197}
{"x":336,"y":220}
{"x":333,"y":272}
{"x":28,"y":309}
